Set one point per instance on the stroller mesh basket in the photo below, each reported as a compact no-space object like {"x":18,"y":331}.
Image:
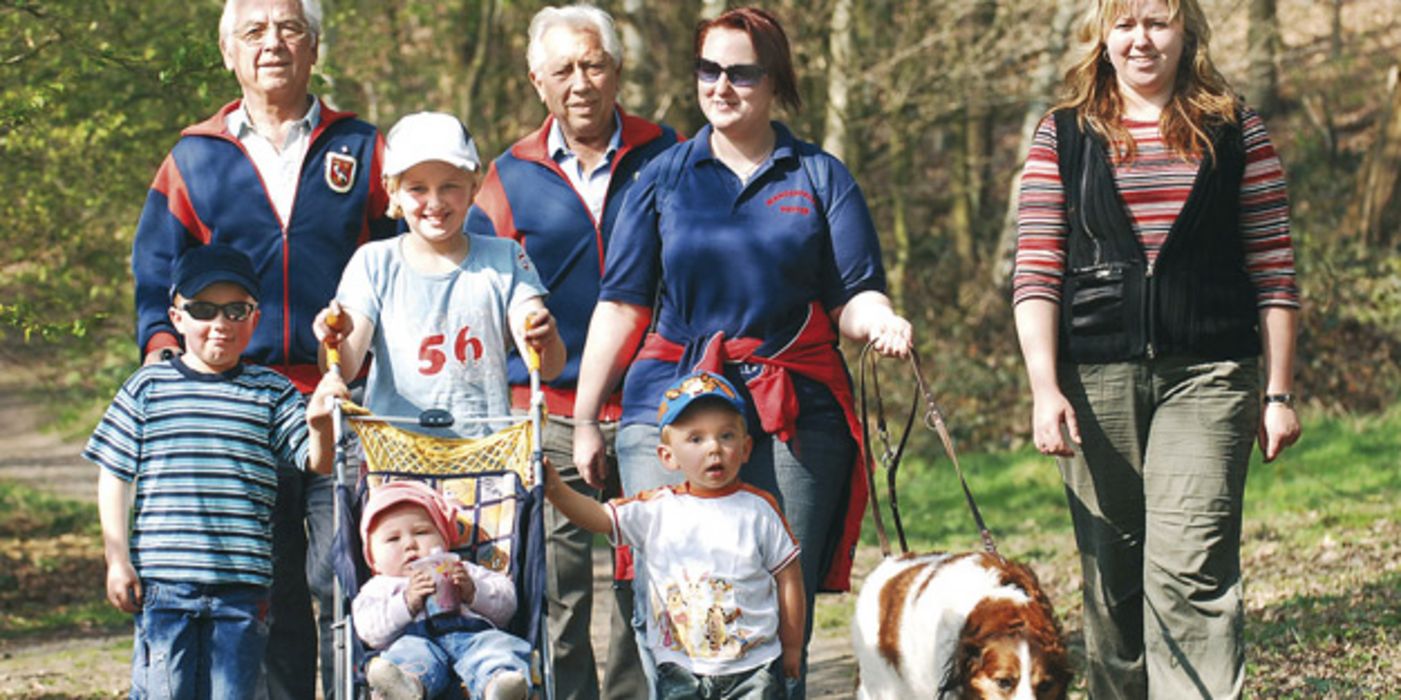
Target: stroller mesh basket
{"x":484,"y":475}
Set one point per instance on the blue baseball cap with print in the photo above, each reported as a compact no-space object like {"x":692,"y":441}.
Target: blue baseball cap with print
{"x":691,"y":388}
{"x":204,"y":265}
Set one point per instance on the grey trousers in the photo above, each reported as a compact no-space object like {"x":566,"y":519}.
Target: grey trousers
{"x":569,"y":591}
{"x":1156,"y":493}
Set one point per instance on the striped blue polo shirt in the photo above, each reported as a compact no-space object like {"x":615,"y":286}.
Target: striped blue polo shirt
{"x":203,"y":451}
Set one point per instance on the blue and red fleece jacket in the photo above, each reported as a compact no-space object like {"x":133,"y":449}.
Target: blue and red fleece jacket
{"x":527,"y":197}
{"x":208,"y":190}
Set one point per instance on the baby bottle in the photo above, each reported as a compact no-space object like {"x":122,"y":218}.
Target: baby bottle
{"x":446,"y":599}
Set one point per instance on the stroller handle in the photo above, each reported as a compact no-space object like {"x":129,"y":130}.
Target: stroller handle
{"x":333,"y":351}
{"x":532,"y":356}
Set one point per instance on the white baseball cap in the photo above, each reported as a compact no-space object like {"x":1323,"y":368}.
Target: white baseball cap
{"x":426,"y":136}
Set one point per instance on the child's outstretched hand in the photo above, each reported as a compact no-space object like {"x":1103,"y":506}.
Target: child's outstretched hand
{"x":420,"y":587}
{"x":332,"y":333}
{"x":466,"y":587}
{"x":552,"y":480}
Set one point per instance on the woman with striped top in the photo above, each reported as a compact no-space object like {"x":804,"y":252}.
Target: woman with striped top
{"x":1154,"y":268}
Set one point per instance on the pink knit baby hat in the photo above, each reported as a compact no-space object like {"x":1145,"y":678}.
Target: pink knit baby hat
{"x":386,"y":496}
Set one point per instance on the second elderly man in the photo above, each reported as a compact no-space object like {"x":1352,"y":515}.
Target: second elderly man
{"x":558,"y":191}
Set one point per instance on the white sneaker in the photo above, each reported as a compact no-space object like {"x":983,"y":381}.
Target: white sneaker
{"x":507,"y":685}
{"x":389,"y":682}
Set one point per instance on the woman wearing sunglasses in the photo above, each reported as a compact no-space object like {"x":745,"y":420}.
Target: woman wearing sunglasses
{"x":751,"y":251}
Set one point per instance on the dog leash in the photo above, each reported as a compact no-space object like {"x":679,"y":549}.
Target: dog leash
{"x":891,"y":455}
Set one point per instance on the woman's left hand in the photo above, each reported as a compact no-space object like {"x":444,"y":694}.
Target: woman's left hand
{"x":869,"y":318}
{"x":1279,"y":428}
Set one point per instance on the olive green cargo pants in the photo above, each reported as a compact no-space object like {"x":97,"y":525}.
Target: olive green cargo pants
{"x":1155,"y":493}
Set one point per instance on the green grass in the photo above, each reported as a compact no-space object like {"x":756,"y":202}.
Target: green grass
{"x":94,"y":614}
{"x":51,"y":570}
{"x":34,"y":514}
{"x":1345,"y":471}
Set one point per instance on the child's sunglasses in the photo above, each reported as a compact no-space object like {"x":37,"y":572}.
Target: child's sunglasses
{"x":206,"y":310}
{"x":745,"y":75}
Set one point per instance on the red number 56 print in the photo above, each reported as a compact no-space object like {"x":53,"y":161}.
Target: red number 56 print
{"x":432,"y":357}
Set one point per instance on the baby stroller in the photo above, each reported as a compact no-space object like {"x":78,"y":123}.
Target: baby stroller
{"x":498,"y":485}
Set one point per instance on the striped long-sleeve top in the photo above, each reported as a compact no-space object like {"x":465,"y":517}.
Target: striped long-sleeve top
{"x":1154,"y":187}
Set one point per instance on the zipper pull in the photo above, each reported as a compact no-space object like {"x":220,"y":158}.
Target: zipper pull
{"x":1151,"y":352}
{"x":1151,"y":265}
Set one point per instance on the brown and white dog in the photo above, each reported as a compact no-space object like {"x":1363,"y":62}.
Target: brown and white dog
{"x":957,"y":626}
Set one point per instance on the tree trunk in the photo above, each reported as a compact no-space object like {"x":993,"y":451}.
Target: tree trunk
{"x":839,"y":78}
{"x":900,"y":231}
{"x":1262,"y":88}
{"x":474,"y":58}
{"x":1377,"y":180}
{"x":710,"y":9}
{"x":972,"y":141}
{"x":1335,"y":36}
{"x":637,"y":95}
{"x":1043,"y":85}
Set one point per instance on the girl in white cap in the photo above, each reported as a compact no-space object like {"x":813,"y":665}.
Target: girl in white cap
{"x":434,"y":305}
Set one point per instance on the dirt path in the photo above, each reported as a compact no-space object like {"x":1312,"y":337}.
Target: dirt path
{"x":97,"y":665}
{"x":36,"y":458}
{"x":87,"y":665}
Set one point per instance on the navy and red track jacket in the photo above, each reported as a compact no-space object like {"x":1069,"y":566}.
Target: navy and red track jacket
{"x":208,"y":190}
{"x":527,"y":197}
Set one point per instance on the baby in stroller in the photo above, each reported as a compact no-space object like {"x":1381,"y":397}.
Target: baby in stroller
{"x":422,"y":647}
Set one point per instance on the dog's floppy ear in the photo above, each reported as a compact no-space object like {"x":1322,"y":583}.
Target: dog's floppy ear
{"x":984,"y":620}
{"x":961,"y":666}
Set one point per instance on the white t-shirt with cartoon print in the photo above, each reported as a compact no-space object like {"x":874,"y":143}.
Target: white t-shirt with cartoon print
{"x":440,"y":340}
{"x":710,"y":562}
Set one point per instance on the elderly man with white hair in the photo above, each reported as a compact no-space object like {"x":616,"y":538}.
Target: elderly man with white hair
{"x":296,"y":186}
{"x":558,"y":191}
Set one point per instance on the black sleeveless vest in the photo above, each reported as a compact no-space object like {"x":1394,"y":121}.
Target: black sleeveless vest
{"x":1196,"y":299}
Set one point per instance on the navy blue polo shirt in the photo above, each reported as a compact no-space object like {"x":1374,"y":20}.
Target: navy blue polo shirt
{"x":717,"y":254}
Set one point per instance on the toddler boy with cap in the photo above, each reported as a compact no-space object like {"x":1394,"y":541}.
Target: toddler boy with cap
{"x":199,"y":438}
{"x":724,"y":585}
{"x":405,"y":522}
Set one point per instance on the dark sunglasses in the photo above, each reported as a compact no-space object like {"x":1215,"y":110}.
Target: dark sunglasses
{"x":206,"y":310}
{"x":744,"y":75}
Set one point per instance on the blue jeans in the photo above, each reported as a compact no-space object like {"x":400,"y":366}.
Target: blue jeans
{"x":473,"y":654}
{"x":199,"y":640}
{"x":676,"y":683}
{"x":808,"y":477}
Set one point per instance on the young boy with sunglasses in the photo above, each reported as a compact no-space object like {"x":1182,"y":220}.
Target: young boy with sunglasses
{"x":199,"y":438}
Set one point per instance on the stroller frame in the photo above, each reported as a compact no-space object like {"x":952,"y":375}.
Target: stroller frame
{"x":344,"y":628}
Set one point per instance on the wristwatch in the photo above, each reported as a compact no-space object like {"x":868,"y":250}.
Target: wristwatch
{"x":1285,"y":398}
{"x":167,"y":353}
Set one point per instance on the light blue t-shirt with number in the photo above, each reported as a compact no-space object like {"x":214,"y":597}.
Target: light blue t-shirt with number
{"x":440,"y":340}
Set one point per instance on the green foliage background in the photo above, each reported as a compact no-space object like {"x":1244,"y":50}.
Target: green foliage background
{"x":92,"y":95}
{"x":94,"y":92}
